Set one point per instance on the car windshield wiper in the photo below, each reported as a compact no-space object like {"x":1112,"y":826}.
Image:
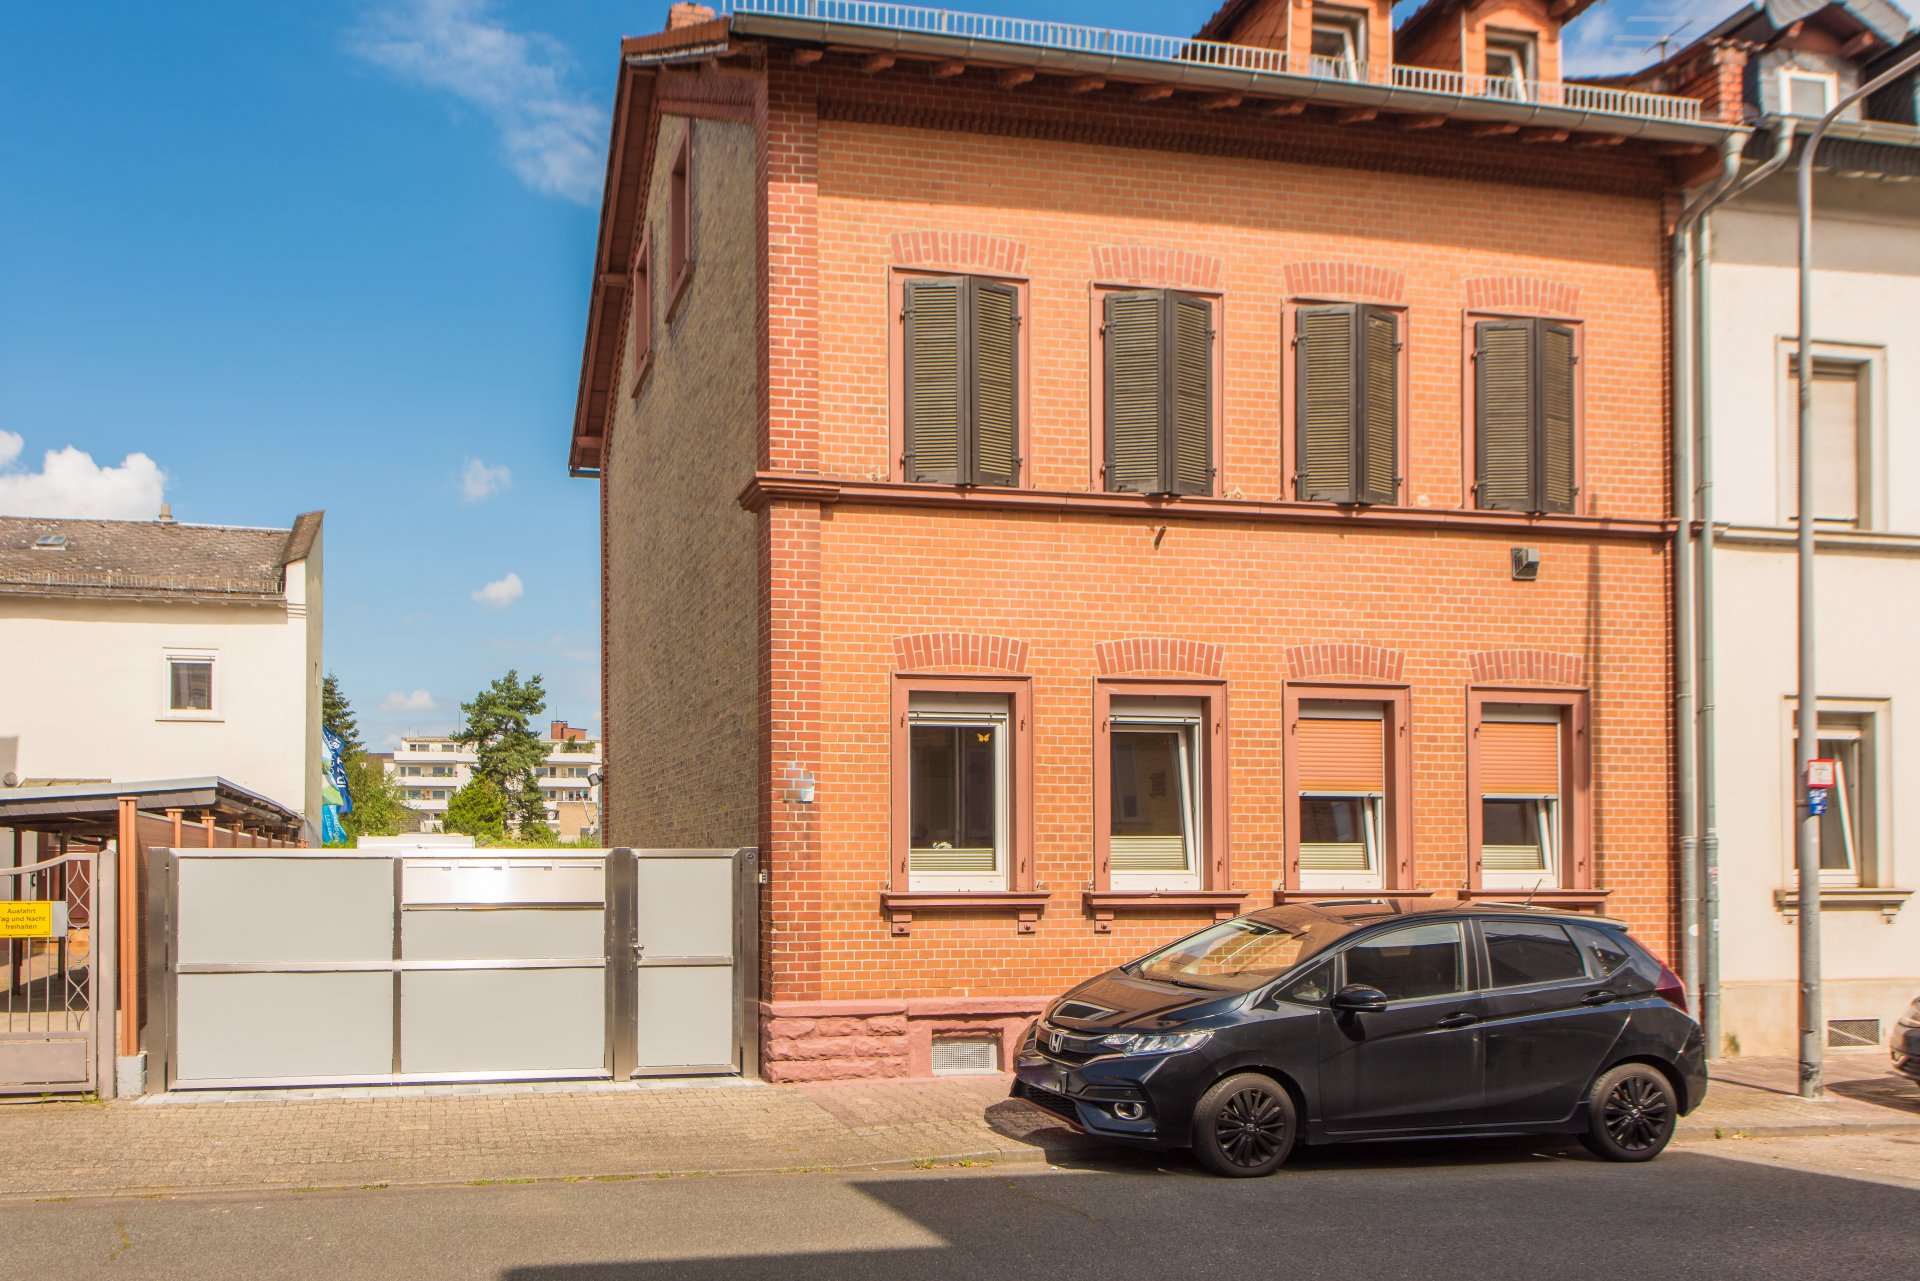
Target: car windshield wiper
{"x":1198,"y":987}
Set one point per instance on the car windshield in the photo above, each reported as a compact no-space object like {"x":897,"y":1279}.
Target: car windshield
{"x":1240,"y":954}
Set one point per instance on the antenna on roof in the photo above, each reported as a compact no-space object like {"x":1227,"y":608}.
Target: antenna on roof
{"x":1530,"y":893}
{"x":1660,"y":43}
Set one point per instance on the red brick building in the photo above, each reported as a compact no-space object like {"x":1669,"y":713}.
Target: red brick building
{"x":1061,"y":487}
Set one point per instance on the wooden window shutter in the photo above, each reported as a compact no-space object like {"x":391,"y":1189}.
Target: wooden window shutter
{"x":994,"y":384}
{"x":1341,"y":756}
{"x":1135,"y":393}
{"x":1503,"y":410}
{"x":1189,"y":412}
{"x":1557,"y":356}
{"x":1324,"y":404}
{"x":1378,"y":437}
{"x":1519,"y":758}
{"x":935,"y":380}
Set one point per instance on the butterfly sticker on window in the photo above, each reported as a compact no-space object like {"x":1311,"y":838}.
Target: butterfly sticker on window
{"x":983,"y":736}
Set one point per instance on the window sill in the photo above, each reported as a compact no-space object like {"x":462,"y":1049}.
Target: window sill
{"x":190,"y":718}
{"x":1573,"y":900}
{"x":900,"y":905}
{"x":1841,"y":898}
{"x":1105,"y":903}
{"x":1319,"y":893}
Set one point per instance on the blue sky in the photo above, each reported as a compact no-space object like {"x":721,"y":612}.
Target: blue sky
{"x":265,"y":258}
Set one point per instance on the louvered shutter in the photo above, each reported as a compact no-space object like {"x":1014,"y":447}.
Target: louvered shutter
{"x":995,"y":384}
{"x":1378,"y":444}
{"x":1836,"y":442}
{"x":1135,"y":399}
{"x":1341,"y":757}
{"x":935,"y":398}
{"x":1504,"y":403}
{"x":1324,"y":404}
{"x":1556,"y":418}
{"x":1190,"y":409}
{"x":1519,"y":758}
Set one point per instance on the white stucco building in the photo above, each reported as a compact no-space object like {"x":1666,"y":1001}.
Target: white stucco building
{"x":430,"y":769}
{"x":1866,"y":406}
{"x":132,"y":651}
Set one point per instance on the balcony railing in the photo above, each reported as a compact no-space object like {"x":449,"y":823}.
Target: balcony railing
{"x":987,"y":29}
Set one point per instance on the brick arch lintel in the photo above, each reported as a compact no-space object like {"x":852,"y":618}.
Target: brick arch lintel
{"x":1340,"y":658}
{"x":1155,"y":266}
{"x":1526,"y":667}
{"x":925,"y":651}
{"x":1527,"y":295}
{"x":960,"y":251}
{"x":1159,"y":654}
{"x":1344,"y":280}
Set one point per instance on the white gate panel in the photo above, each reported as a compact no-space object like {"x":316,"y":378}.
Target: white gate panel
{"x":533,"y":1022}
{"x":285,"y":1027}
{"x":238,"y":909}
{"x":685,"y":1019}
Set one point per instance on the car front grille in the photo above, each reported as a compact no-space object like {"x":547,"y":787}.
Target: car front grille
{"x":1058,"y":1104}
{"x":1066,"y":1047}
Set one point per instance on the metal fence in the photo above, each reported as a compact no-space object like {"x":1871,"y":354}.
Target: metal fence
{"x":52,"y":954}
{"x":989,"y":30}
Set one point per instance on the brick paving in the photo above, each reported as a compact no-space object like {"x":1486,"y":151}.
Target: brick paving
{"x":321,"y":1139}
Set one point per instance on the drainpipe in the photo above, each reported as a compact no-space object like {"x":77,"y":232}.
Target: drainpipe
{"x":1710,"y":1021}
{"x":1683,"y":603}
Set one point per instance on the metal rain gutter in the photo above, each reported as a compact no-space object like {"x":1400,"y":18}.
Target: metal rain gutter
{"x":1316,"y":89}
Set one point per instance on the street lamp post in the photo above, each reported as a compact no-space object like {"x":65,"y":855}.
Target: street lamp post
{"x":1806,"y":746}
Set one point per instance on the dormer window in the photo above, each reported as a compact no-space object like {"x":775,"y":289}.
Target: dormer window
{"x":1807,"y":93}
{"x":1510,"y":64}
{"x":1339,"y":43}
{"x":50,"y":543}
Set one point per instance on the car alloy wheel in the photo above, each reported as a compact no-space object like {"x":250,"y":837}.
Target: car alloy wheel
{"x":1244,"y":1126}
{"x":1632,"y":1114}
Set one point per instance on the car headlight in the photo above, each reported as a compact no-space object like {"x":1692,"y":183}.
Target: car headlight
{"x":1154,"y":1042}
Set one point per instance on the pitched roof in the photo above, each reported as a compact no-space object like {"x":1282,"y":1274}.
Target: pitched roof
{"x":155,"y":560}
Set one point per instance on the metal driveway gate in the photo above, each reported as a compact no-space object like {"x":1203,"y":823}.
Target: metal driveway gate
{"x":299,"y":967}
{"x":56,"y":975}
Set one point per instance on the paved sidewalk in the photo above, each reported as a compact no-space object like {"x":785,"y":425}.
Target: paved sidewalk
{"x":360,"y":1138}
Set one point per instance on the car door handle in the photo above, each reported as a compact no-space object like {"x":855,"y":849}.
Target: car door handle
{"x":1462,"y":1019}
{"x":1599,"y":998}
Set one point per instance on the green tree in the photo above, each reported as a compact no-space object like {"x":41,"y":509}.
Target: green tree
{"x":379,"y":802}
{"x":479,"y":810}
{"x":499,"y":729}
{"x":337,"y":715}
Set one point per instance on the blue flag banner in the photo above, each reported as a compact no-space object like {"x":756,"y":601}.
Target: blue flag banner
{"x":331,"y":833}
{"x":333,"y":786}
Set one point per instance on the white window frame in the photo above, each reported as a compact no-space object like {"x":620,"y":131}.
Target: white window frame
{"x":1850,"y":822}
{"x":1869,"y":364}
{"x":171,"y":655}
{"x":1828,"y":80}
{"x":1549,"y":812}
{"x":1351,"y":27}
{"x":1521,"y":49}
{"x":1186,"y":717}
{"x":1372,"y":803}
{"x":962,"y":710}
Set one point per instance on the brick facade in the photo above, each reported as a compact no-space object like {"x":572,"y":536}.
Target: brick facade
{"x":847,"y":580}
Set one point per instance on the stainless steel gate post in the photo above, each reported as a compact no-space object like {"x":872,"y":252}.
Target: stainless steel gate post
{"x":746,"y":961}
{"x":623,"y":976}
{"x":158,"y":1026}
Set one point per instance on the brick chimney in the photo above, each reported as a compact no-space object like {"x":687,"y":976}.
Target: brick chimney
{"x":687,"y":14}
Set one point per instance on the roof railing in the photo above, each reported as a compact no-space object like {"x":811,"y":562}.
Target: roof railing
{"x":1066,"y":37}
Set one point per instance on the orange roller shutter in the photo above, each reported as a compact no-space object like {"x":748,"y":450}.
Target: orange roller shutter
{"x":1519,"y":758}
{"x":1347,"y":757}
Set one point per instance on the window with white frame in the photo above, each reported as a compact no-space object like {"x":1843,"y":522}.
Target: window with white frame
{"x":1339,"y":43}
{"x":1841,"y":445}
{"x":958,"y":791}
{"x":1510,"y":64}
{"x":1848,"y":829}
{"x":1342,"y":784}
{"x":1156,"y":784}
{"x":1521,"y":832}
{"x":1807,"y":93}
{"x":189,"y":684}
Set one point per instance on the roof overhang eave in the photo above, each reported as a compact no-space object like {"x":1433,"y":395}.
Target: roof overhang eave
{"x":1199,"y":76}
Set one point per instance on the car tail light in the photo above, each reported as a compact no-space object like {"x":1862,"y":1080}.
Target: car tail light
{"x":1670,"y":989}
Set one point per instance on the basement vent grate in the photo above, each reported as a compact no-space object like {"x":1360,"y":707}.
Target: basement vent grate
{"x":1846,"y":1034}
{"x":965,"y":1055}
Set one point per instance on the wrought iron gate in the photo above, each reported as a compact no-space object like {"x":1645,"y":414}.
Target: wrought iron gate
{"x":56,"y":973}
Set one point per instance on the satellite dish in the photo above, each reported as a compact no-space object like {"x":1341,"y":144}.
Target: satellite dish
{"x":9,"y":779}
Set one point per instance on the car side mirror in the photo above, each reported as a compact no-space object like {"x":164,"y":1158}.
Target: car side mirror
{"x":1359,"y":997}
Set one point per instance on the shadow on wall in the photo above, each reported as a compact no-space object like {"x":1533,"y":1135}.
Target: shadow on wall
{"x":1321,"y":1219}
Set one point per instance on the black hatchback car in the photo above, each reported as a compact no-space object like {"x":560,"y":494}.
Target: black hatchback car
{"x":1332,"y":1022}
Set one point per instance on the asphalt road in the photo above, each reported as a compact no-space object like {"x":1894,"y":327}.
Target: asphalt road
{"x":1801,"y":1209}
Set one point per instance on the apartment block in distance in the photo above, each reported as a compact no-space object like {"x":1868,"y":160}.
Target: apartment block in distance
{"x":1061,"y":488}
{"x":431,"y":769}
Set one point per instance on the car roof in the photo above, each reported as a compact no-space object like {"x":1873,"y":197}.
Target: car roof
{"x":1357,"y":913}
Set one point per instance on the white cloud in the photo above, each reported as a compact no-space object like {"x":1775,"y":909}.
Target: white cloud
{"x":480,"y":481}
{"x":70,"y":483}
{"x":501,"y":592}
{"x":418,"y":701}
{"x":553,"y":136}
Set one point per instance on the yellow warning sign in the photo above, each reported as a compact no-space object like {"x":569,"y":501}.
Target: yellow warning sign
{"x":30,"y":920}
